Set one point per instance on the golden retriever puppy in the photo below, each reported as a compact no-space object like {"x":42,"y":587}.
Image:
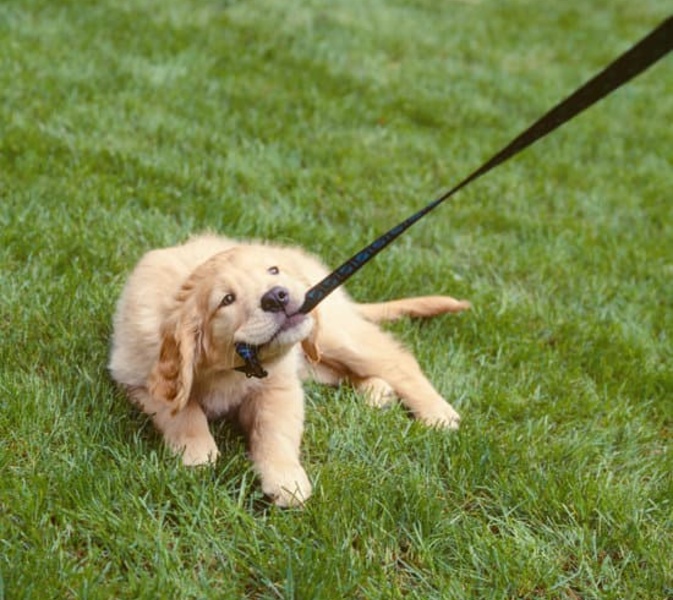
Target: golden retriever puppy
{"x":183,"y":310}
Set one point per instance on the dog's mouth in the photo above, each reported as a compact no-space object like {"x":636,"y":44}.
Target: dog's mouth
{"x":289,"y":323}
{"x":284,"y":330}
{"x":289,"y":330}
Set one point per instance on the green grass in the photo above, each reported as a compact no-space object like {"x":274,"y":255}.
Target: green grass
{"x":126,"y":125}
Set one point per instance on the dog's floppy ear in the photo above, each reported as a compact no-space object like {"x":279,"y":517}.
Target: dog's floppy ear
{"x":172,"y":375}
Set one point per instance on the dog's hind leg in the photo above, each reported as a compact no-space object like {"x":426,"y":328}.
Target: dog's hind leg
{"x":369,"y":356}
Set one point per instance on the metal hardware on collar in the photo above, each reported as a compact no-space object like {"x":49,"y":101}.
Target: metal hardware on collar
{"x":634,"y":61}
{"x":251,"y":367}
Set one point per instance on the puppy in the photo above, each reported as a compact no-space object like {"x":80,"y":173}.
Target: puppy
{"x":183,"y":310}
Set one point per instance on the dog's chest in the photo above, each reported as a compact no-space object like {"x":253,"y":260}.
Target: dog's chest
{"x":221,"y":394}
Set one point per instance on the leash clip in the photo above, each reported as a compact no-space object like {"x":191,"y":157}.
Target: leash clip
{"x":252,"y":366}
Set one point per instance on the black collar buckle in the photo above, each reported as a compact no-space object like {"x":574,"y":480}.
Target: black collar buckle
{"x":252,"y":366}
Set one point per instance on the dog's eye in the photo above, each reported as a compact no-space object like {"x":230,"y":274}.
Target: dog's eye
{"x":228,"y":299}
{"x":273,"y":270}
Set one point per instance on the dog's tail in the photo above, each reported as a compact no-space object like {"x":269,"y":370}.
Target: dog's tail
{"x":422,"y":306}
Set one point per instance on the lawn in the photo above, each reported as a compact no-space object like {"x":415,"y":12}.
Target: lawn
{"x":130,"y":124}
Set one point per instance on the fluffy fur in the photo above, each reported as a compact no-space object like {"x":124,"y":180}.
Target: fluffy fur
{"x":184,"y":308}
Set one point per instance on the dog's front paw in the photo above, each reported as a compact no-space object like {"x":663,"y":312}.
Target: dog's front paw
{"x":196,"y":451}
{"x":441,"y":415}
{"x":287,"y":485}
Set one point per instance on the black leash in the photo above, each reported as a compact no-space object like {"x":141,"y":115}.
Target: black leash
{"x":640,"y":57}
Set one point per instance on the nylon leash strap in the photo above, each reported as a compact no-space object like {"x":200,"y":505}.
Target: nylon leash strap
{"x":634,"y":61}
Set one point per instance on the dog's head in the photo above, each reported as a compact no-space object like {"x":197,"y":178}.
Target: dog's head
{"x":244,"y":295}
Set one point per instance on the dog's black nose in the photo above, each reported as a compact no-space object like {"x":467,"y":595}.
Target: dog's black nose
{"x":276,"y":299}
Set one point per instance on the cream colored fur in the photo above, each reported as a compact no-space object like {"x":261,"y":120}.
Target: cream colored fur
{"x":173,"y":351}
